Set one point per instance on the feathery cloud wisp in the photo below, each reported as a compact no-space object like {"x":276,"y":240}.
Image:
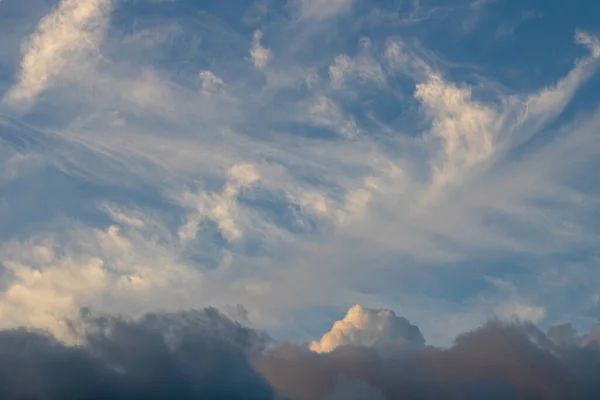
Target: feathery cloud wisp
{"x":70,"y":32}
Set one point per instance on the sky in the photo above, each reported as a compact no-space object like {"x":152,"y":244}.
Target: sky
{"x":288,"y":162}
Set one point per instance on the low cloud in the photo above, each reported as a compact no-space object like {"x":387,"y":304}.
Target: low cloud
{"x":497,"y":361}
{"x":203,"y":354}
{"x":188,"y":355}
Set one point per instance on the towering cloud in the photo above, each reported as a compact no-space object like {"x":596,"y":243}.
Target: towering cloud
{"x":364,"y":327}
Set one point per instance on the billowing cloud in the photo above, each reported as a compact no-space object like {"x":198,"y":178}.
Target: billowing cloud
{"x":498,"y":360}
{"x":75,"y":28}
{"x":202,"y":354}
{"x":188,"y":355}
{"x":365,"y":327}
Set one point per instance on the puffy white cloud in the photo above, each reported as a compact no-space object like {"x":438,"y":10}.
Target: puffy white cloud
{"x":366,"y":327}
{"x":260,"y":55}
{"x":62,"y":38}
{"x":107,"y":269}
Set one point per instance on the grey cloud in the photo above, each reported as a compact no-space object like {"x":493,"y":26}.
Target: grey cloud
{"x":497,"y":361}
{"x":188,"y":355}
{"x":204,"y":355}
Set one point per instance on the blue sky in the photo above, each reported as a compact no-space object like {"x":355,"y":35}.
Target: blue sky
{"x":437,"y":158}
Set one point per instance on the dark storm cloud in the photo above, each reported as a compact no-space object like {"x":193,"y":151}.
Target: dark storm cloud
{"x":496,"y":361}
{"x":190,"y":355}
{"x":204,"y":355}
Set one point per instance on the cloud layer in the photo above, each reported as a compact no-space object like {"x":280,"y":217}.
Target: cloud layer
{"x":202,"y":354}
{"x":190,"y":355}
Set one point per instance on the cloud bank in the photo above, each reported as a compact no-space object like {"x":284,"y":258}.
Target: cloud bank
{"x":202,"y":354}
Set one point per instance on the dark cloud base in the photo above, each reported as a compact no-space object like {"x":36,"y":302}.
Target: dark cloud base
{"x":204,"y":355}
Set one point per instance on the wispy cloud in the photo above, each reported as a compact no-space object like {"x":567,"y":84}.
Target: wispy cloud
{"x":260,"y":55}
{"x":321,"y":9}
{"x":341,"y":167}
{"x":73,"y":30}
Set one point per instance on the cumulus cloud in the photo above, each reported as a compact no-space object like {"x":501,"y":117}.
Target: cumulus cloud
{"x":188,"y":355}
{"x":260,"y":55}
{"x":365,"y":327}
{"x":75,"y":28}
{"x":46,"y":282}
{"x":202,"y":354}
{"x":496,"y":361}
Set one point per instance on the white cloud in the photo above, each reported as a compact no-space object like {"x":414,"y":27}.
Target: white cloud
{"x":325,"y":112}
{"x":75,"y":28}
{"x":367,"y":327}
{"x":261,"y":56}
{"x":522,"y":312}
{"x":220,"y":207}
{"x":111,"y":270}
{"x":466,"y":128}
{"x":210,"y":82}
{"x":364,"y":67}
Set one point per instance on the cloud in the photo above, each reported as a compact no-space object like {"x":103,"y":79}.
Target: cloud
{"x":261,"y":56}
{"x":521,"y":312}
{"x":187,"y":355}
{"x":210,"y":82}
{"x":321,"y":9}
{"x":326,"y":113}
{"x":364,"y":327}
{"x":73,"y":30}
{"x":47,"y":280}
{"x":364,"y":67}
{"x":203,"y":354}
{"x":432,"y":173}
{"x":497,"y":360}
{"x":221,"y":207}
